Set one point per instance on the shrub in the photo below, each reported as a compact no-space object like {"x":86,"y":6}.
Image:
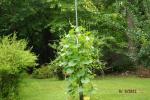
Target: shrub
{"x":119,"y":63}
{"x":143,"y":45}
{"x":43,"y":72}
{"x":144,"y":53}
{"x":14,"y":58}
{"x":57,"y":70}
{"x":9,"y":84}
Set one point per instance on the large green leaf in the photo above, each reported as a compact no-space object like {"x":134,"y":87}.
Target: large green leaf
{"x":85,"y":80}
{"x":69,"y":71}
{"x":72,"y":63}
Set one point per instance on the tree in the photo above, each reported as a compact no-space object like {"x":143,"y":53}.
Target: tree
{"x":30,"y":20}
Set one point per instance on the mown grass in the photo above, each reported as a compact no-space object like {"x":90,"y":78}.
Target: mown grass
{"x":106,"y":89}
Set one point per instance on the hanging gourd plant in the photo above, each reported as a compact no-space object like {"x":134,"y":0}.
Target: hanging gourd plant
{"x":76,"y":56}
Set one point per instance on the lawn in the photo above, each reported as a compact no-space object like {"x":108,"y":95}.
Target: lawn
{"x":108,"y":88}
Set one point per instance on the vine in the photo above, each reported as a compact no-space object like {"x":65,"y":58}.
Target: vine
{"x":76,"y":55}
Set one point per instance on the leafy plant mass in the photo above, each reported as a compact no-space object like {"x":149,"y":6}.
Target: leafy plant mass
{"x":76,"y":55}
{"x":14,"y":58}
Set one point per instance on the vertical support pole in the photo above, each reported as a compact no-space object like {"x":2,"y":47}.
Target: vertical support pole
{"x":76,"y":16}
{"x":81,"y":92}
{"x":76,"y":12}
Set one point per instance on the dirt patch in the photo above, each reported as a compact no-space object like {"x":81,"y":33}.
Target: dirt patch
{"x":143,"y":72}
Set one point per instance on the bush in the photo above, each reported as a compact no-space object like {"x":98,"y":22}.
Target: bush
{"x":144,"y":55}
{"x":43,"y":72}
{"x":14,"y":58}
{"x":119,"y":63}
{"x":58,"y":72}
{"x":9,"y":84}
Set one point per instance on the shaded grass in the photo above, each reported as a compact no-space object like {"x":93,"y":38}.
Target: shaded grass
{"x":106,"y":89}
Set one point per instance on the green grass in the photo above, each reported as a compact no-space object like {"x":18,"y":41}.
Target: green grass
{"x":106,"y":89}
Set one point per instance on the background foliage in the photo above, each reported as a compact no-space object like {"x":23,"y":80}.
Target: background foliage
{"x":121,"y":23}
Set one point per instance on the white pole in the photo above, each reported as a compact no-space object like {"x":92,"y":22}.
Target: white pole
{"x":76,"y":12}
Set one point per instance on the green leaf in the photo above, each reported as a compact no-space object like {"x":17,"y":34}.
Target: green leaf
{"x":81,"y":73}
{"x":87,"y":62}
{"x":72,"y":63}
{"x":80,"y":89}
{"x":85,"y":80}
{"x":69,"y":71}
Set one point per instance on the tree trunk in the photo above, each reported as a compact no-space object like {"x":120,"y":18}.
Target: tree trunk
{"x":131,"y":27}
